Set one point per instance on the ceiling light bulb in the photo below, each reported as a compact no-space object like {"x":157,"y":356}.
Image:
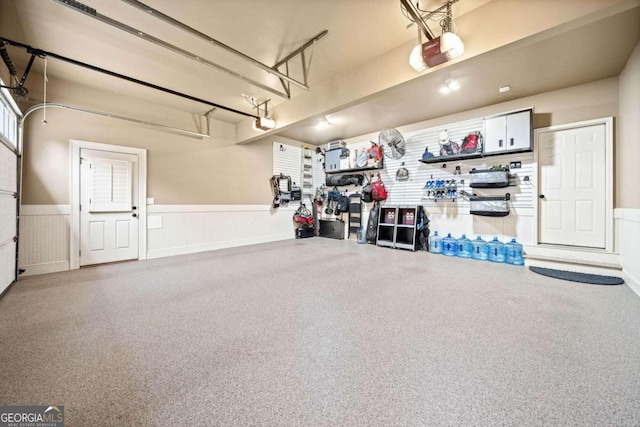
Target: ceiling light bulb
{"x":415,"y":59}
{"x":503,"y":89}
{"x":453,"y":84}
{"x":445,"y":90}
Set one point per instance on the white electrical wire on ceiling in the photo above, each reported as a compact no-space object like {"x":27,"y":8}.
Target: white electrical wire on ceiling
{"x":44,"y":110}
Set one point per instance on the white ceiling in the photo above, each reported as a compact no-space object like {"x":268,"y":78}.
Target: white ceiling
{"x":358,"y":30}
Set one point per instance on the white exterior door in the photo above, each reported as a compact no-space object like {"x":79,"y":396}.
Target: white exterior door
{"x":108,"y":214}
{"x":572,"y":198}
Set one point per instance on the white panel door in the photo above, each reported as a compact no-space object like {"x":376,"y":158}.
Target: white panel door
{"x":572,"y":201}
{"x":108,"y":216}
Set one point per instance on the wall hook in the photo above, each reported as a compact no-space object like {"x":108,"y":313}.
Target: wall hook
{"x":282,"y":148}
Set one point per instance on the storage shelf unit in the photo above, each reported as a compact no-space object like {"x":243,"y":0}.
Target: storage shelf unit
{"x":397,"y":227}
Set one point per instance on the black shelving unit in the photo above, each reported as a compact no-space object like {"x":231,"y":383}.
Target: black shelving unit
{"x":397,"y":227}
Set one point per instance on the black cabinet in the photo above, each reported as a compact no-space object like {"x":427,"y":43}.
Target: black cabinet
{"x":332,"y":229}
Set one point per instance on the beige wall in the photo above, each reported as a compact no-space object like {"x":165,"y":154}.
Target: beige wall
{"x":628,"y":147}
{"x":181,"y":169}
{"x":583,"y":102}
{"x":185,"y":170}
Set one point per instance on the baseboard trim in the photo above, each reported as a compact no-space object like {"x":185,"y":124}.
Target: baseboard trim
{"x":632,"y":282}
{"x":183,"y":250}
{"x":577,"y":256}
{"x":50,"y":267}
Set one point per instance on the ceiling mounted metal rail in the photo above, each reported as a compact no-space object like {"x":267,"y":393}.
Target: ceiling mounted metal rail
{"x":413,"y":11}
{"x":91,"y":12}
{"x":40,"y":52}
{"x":157,"y":14}
{"x":116,"y":116}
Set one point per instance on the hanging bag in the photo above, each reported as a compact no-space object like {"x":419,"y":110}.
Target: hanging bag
{"x":343,"y":205}
{"x":372,"y":224}
{"x":366,"y":192}
{"x":378,"y":190}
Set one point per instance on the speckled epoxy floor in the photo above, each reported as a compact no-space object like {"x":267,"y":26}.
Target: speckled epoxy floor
{"x":318,"y":332}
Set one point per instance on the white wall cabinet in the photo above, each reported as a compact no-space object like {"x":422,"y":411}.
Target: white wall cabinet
{"x":508,"y":133}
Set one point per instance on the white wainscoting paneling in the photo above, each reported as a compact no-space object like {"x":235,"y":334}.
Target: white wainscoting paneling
{"x":447,"y":219}
{"x":196,"y":228}
{"x":44,"y":238}
{"x":628,"y":234}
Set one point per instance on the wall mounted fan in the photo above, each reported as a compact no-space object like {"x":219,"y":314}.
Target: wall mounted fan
{"x":392,"y":143}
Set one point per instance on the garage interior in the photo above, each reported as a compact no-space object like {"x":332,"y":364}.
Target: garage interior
{"x":201,"y":306}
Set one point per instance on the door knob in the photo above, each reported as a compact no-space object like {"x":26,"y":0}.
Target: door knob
{"x":541,"y":196}
{"x":135,"y":215}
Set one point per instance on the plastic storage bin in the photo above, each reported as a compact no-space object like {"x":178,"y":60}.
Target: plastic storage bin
{"x":489,"y":178}
{"x":449,"y":246}
{"x":514,"y":253}
{"x":480,"y":249}
{"x":496,"y":250}
{"x":465,"y":248}
{"x":435,"y":243}
{"x":489,"y":206}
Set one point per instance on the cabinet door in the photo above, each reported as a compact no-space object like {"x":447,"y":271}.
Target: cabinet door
{"x":495,"y":134}
{"x":519,"y":131}
{"x":332,"y":160}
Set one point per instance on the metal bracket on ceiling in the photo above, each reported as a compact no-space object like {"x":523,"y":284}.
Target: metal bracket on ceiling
{"x":422,"y":17}
{"x":306,"y":65}
{"x":207,"y":116}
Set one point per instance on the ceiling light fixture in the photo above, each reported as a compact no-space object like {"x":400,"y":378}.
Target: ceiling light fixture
{"x":450,"y":85}
{"x":504,"y":89}
{"x":323,"y":123}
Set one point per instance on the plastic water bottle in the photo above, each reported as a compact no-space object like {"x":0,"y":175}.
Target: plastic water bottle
{"x":465,"y":248}
{"x":514,"y":253}
{"x":435,"y":243}
{"x":496,"y":250}
{"x":480,"y":249}
{"x":449,"y":246}
{"x":362,"y":235}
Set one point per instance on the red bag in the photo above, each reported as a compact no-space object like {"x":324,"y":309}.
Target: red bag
{"x":378,"y":190}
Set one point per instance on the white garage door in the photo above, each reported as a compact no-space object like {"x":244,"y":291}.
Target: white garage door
{"x":8,"y":193}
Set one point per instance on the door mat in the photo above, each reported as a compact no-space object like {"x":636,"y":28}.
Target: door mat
{"x":592,"y":279}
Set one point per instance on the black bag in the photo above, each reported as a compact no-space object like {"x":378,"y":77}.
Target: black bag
{"x":344,"y":179}
{"x":367,"y":197}
{"x":296,"y":193}
{"x":372,"y":224}
{"x":343,"y":205}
